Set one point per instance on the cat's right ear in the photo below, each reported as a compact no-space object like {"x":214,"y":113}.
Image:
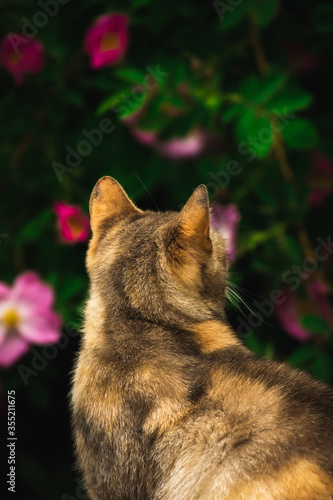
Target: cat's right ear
{"x":194,"y":221}
{"x":108,"y":200}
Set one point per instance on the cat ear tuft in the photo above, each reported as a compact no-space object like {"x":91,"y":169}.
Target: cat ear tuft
{"x":108,"y":199}
{"x":194,"y":219}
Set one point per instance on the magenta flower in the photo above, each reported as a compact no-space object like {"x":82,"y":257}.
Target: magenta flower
{"x":73,"y":224}
{"x":21,"y":56}
{"x":106,"y":41}
{"x":320,"y":179}
{"x":226,"y":220}
{"x":26,"y":317}
{"x":290,"y":312}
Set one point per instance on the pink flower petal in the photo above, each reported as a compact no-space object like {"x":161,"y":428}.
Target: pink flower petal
{"x":73,"y":224}
{"x":12,"y":349}
{"x":4,"y":291}
{"x":39,"y":334}
{"x":26,"y":317}
{"x":64,"y":210}
{"x":225,"y":219}
{"x":28,"y":288}
{"x":288,"y":314}
{"x":320,"y":179}
{"x":2,"y":334}
{"x":21,"y":55}
{"x":318,"y":293}
{"x":41,"y":329}
{"x":178,"y":148}
{"x":146,"y":137}
{"x":106,"y":41}
{"x":183,"y":148}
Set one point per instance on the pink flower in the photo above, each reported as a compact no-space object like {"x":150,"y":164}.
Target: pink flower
{"x":290,"y":312}
{"x":188,"y":147}
{"x":106,"y":41}
{"x":320,"y":179}
{"x":26,"y":317}
{"x":145,"y":137}
{"x":21,"y":55}
{"x":184,"y":148}
{"x":226,"y":220}
{"x":73,"y":223}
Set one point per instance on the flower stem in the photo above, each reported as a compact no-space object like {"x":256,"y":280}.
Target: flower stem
{"x":257,"y":46}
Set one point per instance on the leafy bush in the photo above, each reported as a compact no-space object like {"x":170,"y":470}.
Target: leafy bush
{"x":235,"y":95}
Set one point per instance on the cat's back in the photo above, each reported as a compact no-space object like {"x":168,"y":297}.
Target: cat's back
{"x":167,"y":403}
{"x":255,"y":419}
{"x":227,"y":421}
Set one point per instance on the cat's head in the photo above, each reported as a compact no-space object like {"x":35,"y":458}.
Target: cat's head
{"x":164,"y":267}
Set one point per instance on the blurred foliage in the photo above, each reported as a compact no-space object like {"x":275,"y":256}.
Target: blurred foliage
{"x":257,"y":76}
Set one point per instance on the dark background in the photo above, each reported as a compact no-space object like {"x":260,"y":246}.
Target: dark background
{"x":230,"y":70}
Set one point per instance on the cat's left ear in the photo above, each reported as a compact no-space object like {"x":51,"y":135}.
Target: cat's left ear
{"x":109,"y":200}
{"x":194,"y":220}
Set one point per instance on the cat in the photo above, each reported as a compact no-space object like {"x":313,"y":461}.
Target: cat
{"x":167,"y":402}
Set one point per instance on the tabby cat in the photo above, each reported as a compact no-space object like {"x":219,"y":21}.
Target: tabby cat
{"x":167,"y":402}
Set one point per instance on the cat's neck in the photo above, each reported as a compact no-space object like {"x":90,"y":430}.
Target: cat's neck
{"x":119,"y":324}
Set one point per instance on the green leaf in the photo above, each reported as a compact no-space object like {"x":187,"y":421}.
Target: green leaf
{"x":132,"y":106}
{"x":261,"y":90}
{"x":314,"y":324}
{"x":264,"y":11}
{"x":131,"y":75}
{"x":300,"y":134}
{"x":256,"y":132}
{"x":73,"y":98}
{"x":112,"y":100}
{"x":303,"y":355}
{"x":253,"y":343}
{"x":232,"y":15}
{"x":289,"y":101}
{"x":140,"y":3}
{"x":314,"y":360}
{"x":154,"y":118}
{"x":229,"y":15}
{"x":124,"y":103}
{"x":212,"y":102}
{"x":230,"y":113}
{"x":179,"y":72}
{"x":35,"y":227}
{"x":323,"y":17}
{"x":322,"y":366}
{"x":73,"y":286}
{"x":294,"y":248}
{"x":178,"y":127}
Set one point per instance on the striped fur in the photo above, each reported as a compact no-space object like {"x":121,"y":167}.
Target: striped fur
{"x":167,"y":402}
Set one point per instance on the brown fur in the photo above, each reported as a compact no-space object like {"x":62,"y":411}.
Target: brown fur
{"x":167,"y":403}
